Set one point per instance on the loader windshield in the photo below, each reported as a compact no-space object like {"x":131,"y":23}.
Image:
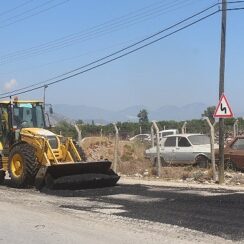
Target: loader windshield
{"x":28,"y":115}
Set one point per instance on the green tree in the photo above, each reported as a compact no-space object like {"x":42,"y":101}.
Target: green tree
{"x":209,"y":112}
{"x":143,"y":116}
{"x":66,"y":129}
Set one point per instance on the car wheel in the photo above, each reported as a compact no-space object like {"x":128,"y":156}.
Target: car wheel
{"x":202,"y":161}
{"x":230,"y":165}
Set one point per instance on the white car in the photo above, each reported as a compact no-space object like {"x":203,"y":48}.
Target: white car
{"x":164,"y":133}
{"x":141,"y":137}
{"x":183,"y":149}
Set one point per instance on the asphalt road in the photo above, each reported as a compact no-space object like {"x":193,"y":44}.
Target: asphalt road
{"x":127,"y":213}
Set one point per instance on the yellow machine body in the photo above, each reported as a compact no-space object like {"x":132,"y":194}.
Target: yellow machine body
{"x":32,"y":153}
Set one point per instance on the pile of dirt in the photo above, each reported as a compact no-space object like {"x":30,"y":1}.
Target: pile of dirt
{"x":131,"y":154}
{"x":133,"y":163}
{"x":98,"y":148}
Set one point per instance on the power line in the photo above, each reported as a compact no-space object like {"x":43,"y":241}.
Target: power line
{"x":239,"y":8}
{"x":94,"y":32}
{"x":34,"y":14}
{"x":233,"y":2}
{"x":17,"y":7}
{"x":115,"y":58}
{"x":119,"y":51}
{"x":27,"y":11}
{"x":85,"y":35}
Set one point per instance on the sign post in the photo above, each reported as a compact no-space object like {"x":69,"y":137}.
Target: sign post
{"x":221,"y":90}
{"x":223,"y":110}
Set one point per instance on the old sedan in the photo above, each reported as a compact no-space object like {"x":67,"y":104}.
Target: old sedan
{"x":183,"y":149}
{"x":234,"y":153}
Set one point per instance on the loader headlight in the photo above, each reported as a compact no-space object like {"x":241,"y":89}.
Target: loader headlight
{"x":53,"y":141}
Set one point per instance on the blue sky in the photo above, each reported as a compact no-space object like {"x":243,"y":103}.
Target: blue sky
{"x":181,"y":69}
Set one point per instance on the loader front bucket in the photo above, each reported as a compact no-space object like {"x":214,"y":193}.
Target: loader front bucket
{"x":76,"y":175}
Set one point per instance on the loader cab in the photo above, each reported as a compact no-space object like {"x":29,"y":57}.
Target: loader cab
{"x":17,"y":115}
{"x":28,"y":115}
{"x":4,"y":123}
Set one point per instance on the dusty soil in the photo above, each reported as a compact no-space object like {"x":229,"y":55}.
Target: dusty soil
{"x":135,"y":211}
{"x":133,"y":163}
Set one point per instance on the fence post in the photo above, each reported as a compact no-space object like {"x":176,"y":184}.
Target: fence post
{"x":79,"y":134}
{"x":236,"y":129}
{"x":212,"y":133}
{"x":183,"y":128}
{"x":101,"y":136}
{"x":152,"y":136}
{"x":159,"y":166}
{"x":116,"y":148}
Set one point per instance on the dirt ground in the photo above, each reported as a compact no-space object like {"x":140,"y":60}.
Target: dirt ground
{"x":132,"y":162}
{"x":135,"y":211}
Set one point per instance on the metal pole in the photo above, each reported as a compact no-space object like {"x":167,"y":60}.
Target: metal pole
{"x":212,"y":147}
{"x":116,"y":148}
{"x":159,"y":166}
{"x":221,"y":90}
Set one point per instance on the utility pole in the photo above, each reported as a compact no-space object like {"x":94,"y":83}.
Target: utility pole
{"x":221,"y":90}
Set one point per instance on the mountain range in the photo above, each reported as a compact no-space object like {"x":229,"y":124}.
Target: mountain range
{"x":104,"y":116}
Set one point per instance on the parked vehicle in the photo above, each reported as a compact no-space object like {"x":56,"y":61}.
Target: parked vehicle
{"x":141,"y":137}
{"x":183,"y":149}
{"x":164,"y":133}
{"x":234,"y":153}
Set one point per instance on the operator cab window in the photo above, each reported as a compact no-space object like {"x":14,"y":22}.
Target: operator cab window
{"x":170,"y":142}
{"x":28,"y":115}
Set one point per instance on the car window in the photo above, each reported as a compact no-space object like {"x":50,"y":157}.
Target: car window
{"x":170,"y":142}
{"x":167,"y":133}
{"x":199,"y":139}
{"x":183,"y":142}
{"x":238,"y":144}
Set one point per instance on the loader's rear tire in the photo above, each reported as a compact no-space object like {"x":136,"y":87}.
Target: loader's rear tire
{"x":22,"y":165}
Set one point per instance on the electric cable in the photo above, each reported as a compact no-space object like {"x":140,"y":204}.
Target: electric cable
{"x":115,"y":58}
{"x":91,"y":33}
{"x":119,"y":51}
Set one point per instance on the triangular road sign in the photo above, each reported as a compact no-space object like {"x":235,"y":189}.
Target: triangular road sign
{"x":223,"y":110}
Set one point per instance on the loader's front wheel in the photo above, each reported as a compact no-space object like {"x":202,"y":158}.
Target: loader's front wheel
{"x":2,"y":173}
{"x":22,"y":165}
{"x":2,"y":176}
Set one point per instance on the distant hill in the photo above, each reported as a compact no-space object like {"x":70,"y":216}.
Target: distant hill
{"x":103,"y":116}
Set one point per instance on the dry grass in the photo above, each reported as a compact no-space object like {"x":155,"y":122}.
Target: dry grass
{"x":131,"y":154}
{"x":133,"y":163}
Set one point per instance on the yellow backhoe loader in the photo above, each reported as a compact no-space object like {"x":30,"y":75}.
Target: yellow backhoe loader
{"x":33,"y":155}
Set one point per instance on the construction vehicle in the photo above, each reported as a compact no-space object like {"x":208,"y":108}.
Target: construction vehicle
{"x":33,"y":155}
